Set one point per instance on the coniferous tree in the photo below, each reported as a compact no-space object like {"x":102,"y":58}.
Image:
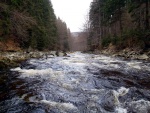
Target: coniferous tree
{"x":63,"y":35}
{"x":119,"y":22}
{"x":29,"y":21}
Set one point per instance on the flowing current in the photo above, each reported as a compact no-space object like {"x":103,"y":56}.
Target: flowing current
{"x":80,"y":83}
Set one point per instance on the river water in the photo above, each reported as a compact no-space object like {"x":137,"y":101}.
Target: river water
{"x":80,"y":83}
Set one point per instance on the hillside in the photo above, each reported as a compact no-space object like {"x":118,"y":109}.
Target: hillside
{"x":27,"y":23}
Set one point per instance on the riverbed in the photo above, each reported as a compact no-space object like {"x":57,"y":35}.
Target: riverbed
{"x":77,"y":83}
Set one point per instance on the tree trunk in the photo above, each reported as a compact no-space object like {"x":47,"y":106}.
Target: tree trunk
{"x":120,"y":21}
{"x":147,"y":17}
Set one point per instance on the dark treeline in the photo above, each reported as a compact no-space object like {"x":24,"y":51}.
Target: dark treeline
{"x":122,"y":23}
{"x":64,"y":35}
{"x":30,"y":23}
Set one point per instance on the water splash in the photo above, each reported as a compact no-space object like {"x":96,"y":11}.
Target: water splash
{"x":81,"y":83}
{"x":110,"y":100}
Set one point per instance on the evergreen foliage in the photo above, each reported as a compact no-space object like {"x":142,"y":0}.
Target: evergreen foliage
{"x":63,"y":35}
{"x":119,"y":22}
{"x":32,"y":23}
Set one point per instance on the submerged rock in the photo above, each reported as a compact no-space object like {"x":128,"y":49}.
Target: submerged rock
{"x":38,"y":110}
{"x":110,"y":101}
{"x":61,"y":54}
{"x":140,"y":106}
{"x":2,"y":65}
{"x":143,"y":57}
{"x":8,"y":63}
{"x":127,"y":53}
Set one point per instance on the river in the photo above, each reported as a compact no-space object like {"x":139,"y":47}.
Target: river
{"x":78,"y":83}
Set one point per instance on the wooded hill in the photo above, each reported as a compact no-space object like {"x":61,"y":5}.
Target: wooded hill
{"x":28,"y":23}
{"x":121,"y":23}
{"x":64,"y":35}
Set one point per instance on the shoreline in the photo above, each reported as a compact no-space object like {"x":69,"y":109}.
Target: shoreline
{"x":127,"y":54}
{"x":13,"y":59}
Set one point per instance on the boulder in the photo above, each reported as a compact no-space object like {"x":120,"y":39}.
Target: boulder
{"x":3,"y":65}
{"x":140,"y":106}
{"x":143,"y":57}
{"x":61,"y":54}
{"x":53,"y":53}
{"x":110,"y":100}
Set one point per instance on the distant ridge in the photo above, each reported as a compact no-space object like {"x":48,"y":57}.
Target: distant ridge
{"x":75,"y":34}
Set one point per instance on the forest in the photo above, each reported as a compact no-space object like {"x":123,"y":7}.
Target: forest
{"x":47,"y":68}
{"x":31,"y":24}
{"x":114,"y":24}
{"x":118,"y":23}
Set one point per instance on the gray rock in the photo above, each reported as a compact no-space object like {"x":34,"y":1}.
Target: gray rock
{"x":140,"y":106}
{"x":53,"y":53}
{"x":110,"y":101}
{"x":61,"y":54}
{"x":38,"y":110}
{"x":143,"y":57}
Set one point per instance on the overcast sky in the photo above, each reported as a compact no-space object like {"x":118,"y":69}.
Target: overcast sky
{"x":73,"y":12}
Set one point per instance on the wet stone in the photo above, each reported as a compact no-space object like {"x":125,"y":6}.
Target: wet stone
{"x":38,"y":110}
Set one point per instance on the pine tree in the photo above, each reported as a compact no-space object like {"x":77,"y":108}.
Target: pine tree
{"x":29,"y":21}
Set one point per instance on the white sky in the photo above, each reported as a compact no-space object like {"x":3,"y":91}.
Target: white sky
{"x":73,"y":12}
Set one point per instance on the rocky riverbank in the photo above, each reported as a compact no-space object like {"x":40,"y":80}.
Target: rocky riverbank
{"x":13,"y":59}
{"x":126,"y":53}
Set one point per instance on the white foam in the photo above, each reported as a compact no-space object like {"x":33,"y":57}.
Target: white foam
{"x":98,"y":65}
{"x":16,"y":69}
{"x":120,"y":110}
{"x":94,"y":91}
{"x":51,"y":104}
{"x":123,"y":91}
{"x":134,"y":65}
{"x":146,"y":68}
{"x":23,"y":96}
{"x":140,"y":106}
{"x":67,"y":86}
{"x":32,"y":72}
{"x":43,"y":73}
{"x":65,"y":106}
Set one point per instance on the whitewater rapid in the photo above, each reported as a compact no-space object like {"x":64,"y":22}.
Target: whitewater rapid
{"x":79,"y":83}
